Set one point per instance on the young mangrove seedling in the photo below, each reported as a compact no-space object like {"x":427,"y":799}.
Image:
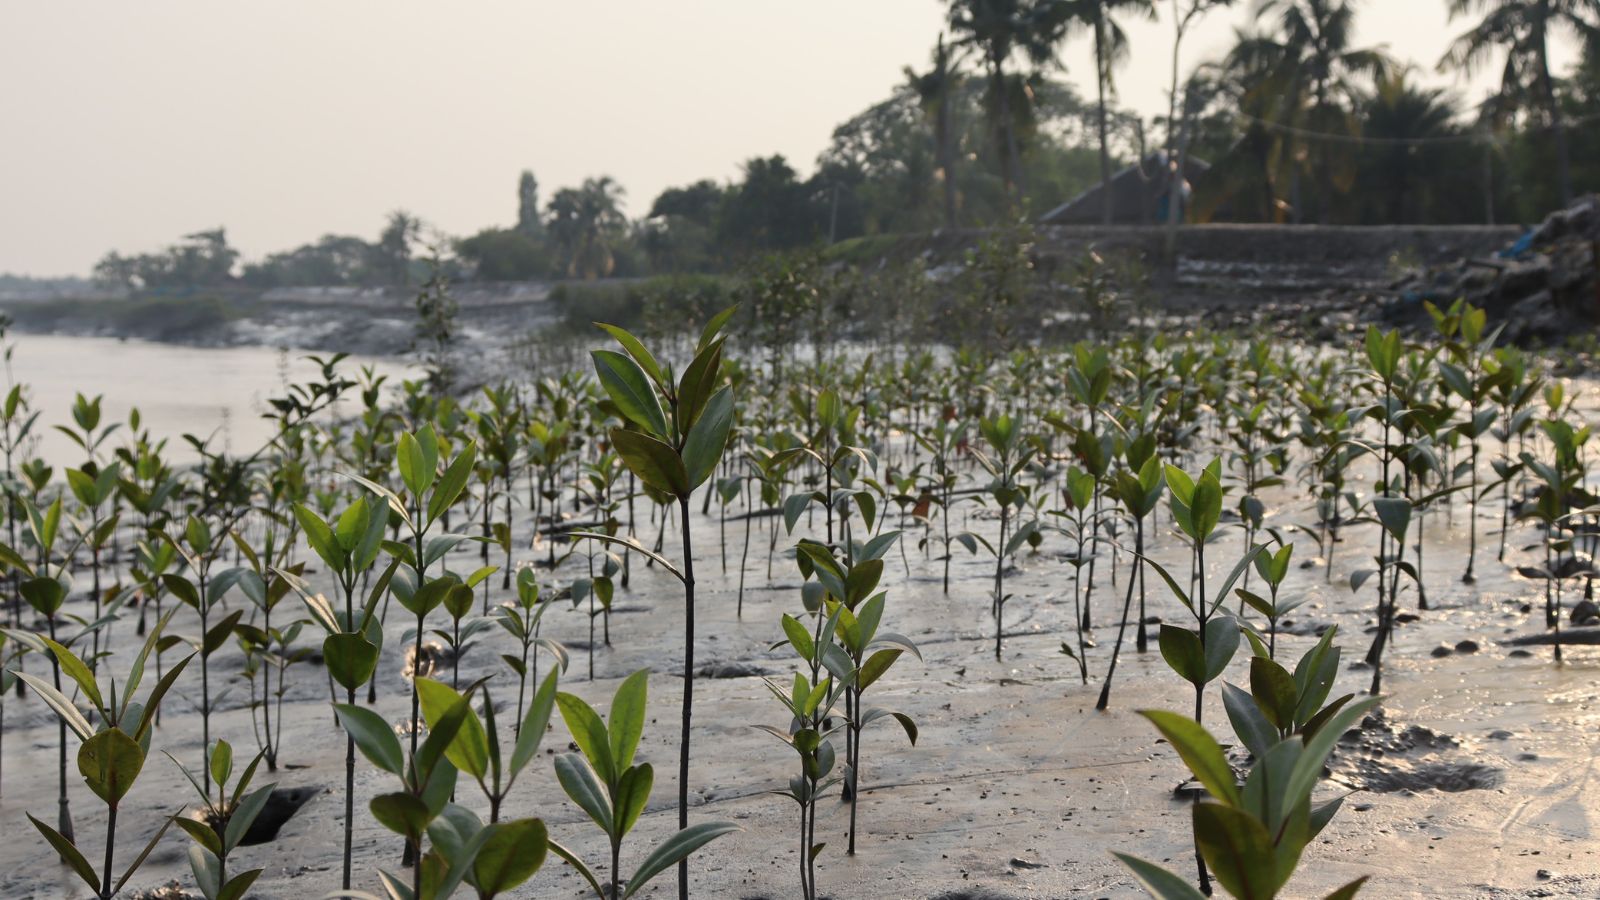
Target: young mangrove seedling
{"x":604,"y":782}
{"x":675,"y":439}
{"x":223,"y":823}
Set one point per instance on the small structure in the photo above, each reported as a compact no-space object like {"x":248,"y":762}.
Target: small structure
{"x":1139,"y":195}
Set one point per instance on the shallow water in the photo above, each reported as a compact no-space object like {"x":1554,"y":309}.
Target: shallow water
{"x":178,"y":390}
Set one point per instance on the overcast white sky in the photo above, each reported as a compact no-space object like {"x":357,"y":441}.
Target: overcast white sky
{"x":129,"y":124}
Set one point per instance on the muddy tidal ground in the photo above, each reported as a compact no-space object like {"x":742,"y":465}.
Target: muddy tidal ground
{"x":1477,"y":780}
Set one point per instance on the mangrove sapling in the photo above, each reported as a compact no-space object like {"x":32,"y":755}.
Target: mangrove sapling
{"x":1077,"y":492}
{"x":1466,"y":377}
{"x":1252,"y":836}
{"x":603,"y":781}
{"x":1561,"y":489}
{"x":349,"y":547}
{"x":94,"y":487}
{"x":1514,"y":393}
{"x":522,"y":620}
{"x":45,"y":588}
{"x":1200,"y":655}
{"x":1278,"y":705}
{"x":852,"y":599}
{"x":1011,"y":457}
{"x":476,"y":749}
{"x":1139,"y":494}
{"x":427,"y":779}
{"x":1273,"y":569}
{"x":428,"y":494}
{"x":676,"y":438}
{"x":942,"y":443}
{"x":458,"y":603}
{"x":204,"y":595}
{"x":111,"y":753}
{"x":1394,"y":519}
{"x":810,"y":703}
{"x":222,"y":824}
{"x":266,"y":644}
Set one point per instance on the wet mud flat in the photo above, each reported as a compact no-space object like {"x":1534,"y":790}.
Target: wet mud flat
{"x":1477,"y":778}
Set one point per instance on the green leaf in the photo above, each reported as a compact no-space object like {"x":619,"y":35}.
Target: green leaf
{"x":321,"y":537}
{"x":1274,"y":690}
{"x":69,"y":854}
{"x":454,"y":481}
{"x":1222,"y":642}
{"x":633,"y":792}
{"x":510,"y":855}
{"x":1348,"y":892}
{"x":469,"y":749}
{"x":1239,"y":850}
{"x":1395,"y":514}
{"x":656,"y":463}
{"x":245,"y":814}
{"x":578,"y":866}
{"x":373,"y":735}
{"x":350,"y":657}
{"x":709,"y":436}
{"x":73,"y":668}
{"x":109,"y":762}
{"x":627,"y":718}
{"x":589,"y":733}
{"x":1199,"y":751}
{"x":1254,"y":731}
{"x":1182,"y":650}
{"x":637,"y":350}
{"x":534,"y":723}
{"x":401,"y":813}
{"x":417,"y":468}
{"x":675,"y":848}
{"x":59,"y":702}
{"x":1162,"y":884}
{"x":578,"y":780}
{"x":629,"y":388}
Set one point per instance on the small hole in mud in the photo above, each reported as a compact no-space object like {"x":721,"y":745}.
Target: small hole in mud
{"x":281,"y":806}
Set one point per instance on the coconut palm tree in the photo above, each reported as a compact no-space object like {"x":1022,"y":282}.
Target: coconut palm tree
{"x":1111,"y":48}
{"x":934,"y":89}
{"x":1001,"y":29}
{"x":1304,"y":67}
{"x":1522,"y":29}
{"x":586,"y":223}
{"x":1404,"y":122}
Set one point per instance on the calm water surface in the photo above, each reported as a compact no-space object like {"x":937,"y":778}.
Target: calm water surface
{"x":177,"y":390}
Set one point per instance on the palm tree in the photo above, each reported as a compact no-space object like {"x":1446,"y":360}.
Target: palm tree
{"x":1522,"y":30}
{"x":1000,"y":29}
{"x":586,"y":223}
{"x":1110,"y":49}
{"x":933,"y":90}
{"x":1403,"y":121}
{"x":1309,"y":75}
{"x":1184,"y":14}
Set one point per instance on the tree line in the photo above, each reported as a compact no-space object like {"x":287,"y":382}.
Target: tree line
{"x":1298,"y":123}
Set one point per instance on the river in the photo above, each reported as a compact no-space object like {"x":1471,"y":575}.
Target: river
{"x":177,"y":390}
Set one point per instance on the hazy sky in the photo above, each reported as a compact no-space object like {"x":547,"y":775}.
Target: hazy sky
{"x":129,"y":124}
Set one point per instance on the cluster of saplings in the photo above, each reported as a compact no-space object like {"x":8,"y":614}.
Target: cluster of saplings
{"x":1081,"y":457}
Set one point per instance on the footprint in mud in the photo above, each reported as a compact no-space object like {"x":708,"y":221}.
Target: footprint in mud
{"x":1382,"y":757}
{"x":433,"y":659}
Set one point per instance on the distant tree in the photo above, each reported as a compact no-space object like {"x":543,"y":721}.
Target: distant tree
{"x":1111,"y":49}
{"x":770,"y":209}
{"x":1522,"y":29}
{"x":934,"y":89}
{"x":1406,"y":126}
{"x":700,"y":203}
{"x":506,"y":254}
{"x":335,"y":259}
{"x":528,"y":219}
{"x":587,"y":226}
{"x":392,"y":253}
{"x":1305,"y":74}
{"x":1000,"y":29}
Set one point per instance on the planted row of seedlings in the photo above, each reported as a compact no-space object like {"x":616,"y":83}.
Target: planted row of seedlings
{"x":371,"y":499}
